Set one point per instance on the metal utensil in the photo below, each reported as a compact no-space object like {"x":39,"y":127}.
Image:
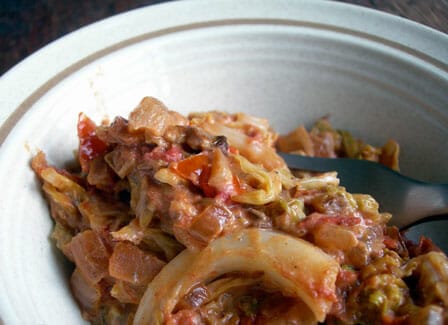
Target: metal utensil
{"x":408,"y":200}
{"x":435,"y":228}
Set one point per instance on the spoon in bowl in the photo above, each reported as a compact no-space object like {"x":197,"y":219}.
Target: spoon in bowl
{"x":410,"y":201}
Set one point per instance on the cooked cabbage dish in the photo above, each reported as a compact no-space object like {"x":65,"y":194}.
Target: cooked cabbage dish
{"x":173,"y":219}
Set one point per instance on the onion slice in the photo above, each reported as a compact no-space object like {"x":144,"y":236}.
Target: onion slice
{"x":296,"y":267}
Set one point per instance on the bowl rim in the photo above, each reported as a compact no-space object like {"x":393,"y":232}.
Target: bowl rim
{"x":26,"y":82}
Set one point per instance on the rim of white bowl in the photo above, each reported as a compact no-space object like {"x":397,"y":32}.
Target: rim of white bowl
{"x":26,"y":82}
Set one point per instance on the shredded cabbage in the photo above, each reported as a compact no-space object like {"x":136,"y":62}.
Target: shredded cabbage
{"x":298,"y":268}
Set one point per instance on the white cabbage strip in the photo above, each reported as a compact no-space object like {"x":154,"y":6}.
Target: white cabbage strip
{"x":296,"y":267}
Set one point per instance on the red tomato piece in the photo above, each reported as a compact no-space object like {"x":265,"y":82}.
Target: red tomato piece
{"x":90,"y":146}
{"x":208,"y":190}
{"x":191,"y":168}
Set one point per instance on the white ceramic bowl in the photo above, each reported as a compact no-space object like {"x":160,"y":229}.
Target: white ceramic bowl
{"x":377,"y":75}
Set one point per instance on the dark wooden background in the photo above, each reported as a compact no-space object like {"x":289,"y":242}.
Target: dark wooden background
{"x":27,"y":25}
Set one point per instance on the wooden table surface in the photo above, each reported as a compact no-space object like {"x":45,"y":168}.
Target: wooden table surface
{"x":27,"y":25}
